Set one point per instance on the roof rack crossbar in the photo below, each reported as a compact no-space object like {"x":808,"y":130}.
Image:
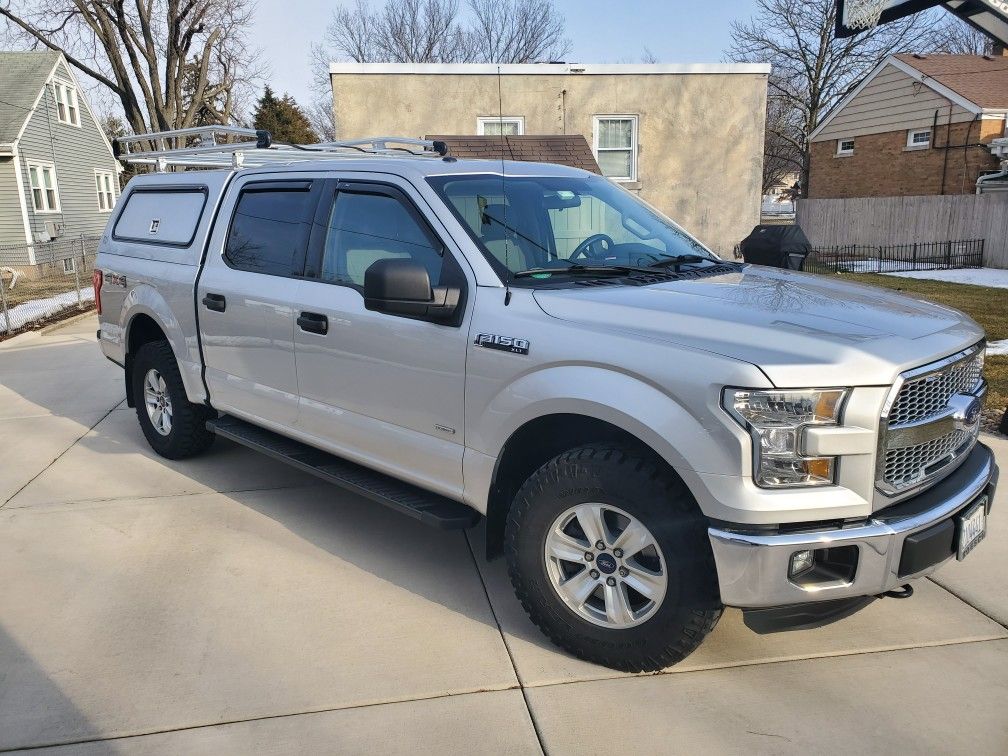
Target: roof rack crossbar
{"x":171,"y":148}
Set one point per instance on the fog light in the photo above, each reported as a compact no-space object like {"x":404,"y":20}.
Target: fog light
{"x":801,"y":561}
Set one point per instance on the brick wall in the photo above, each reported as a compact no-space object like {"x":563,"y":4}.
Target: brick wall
{"x":882,"y":166}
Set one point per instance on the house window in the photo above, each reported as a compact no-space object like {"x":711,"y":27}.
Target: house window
{"x":919,"y":138}
{"x":69,"y":265}
{"x":845,"y":147}
{"x":615,"y":142}
{"x":106,"y":196}
{"x":67,"y":110}
{"x":45,"y":194}
{"x":500,"y":125}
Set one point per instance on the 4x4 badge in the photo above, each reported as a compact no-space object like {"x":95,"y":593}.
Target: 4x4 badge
{"x":503,"y":343}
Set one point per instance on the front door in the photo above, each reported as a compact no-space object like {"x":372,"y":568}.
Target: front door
{"x":245,"y":299}
{"x":385,"y":390}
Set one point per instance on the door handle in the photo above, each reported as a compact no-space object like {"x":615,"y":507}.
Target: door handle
{"x":313,"y":322}
{"x":215,"y":302}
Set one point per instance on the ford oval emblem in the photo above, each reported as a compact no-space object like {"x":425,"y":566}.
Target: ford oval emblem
{"x":965,"y":411}
{"x":973,"y":412}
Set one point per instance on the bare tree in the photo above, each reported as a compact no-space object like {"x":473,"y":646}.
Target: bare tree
{"x":170,"y":63}
{"x":437,"y":31}
{"x":812,"y":70}
{"x":515,"y":31}
{"x":959,"y":38}
{"x":782,"y":154}
{"x":402,"y":31}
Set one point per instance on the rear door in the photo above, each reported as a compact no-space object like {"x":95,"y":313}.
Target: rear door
{"x":246,"y":294}
{"x":385,"y":390}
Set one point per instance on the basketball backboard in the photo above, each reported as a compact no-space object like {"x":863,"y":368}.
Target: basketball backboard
{"x":989,"y":16}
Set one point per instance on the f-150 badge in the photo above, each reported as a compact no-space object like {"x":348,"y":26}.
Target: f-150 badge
{"x":503,"y":343}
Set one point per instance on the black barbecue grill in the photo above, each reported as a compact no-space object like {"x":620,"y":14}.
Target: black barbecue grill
{"x":776,"y":246}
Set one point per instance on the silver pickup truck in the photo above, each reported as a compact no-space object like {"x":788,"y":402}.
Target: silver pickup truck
{"x":649,"y":432}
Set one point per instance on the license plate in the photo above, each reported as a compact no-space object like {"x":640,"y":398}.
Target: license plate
{"x":972,"y":528}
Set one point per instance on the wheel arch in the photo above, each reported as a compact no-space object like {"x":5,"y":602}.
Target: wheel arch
{"x":536,"y":442}
{"x":141,"y":329}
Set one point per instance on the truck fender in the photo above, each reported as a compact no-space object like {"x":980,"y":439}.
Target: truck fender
{"x":144,"y":299}
{"x":623,"y":400}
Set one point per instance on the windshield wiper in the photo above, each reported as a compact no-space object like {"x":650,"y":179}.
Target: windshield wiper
{"x":679,"y":260}
{"x":578,"y":269}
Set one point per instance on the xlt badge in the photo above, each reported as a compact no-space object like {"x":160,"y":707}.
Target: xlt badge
{"x":503,"y":343}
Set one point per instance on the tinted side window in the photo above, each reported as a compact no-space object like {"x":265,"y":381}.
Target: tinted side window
{"x":269,"y":229}
{"x":364,"y":228}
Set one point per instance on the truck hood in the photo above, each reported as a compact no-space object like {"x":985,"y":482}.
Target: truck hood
{"x":799,"y":329}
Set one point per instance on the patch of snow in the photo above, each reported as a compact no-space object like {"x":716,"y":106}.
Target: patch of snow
{"x":995,"y":277}
{"x":997,"y":347}
{"x":37,"y":309}
{"x":871,"y":266}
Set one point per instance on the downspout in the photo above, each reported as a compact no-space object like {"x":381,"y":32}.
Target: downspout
{"x":966,"y":146}
{"x":948,"y":139}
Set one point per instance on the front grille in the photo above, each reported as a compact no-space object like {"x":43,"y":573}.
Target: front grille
{"x":903,"y":467}
{"x":929,"y":394}
{"x":924,"y":395}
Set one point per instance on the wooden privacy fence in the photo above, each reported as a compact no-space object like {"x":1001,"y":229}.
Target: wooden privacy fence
{"x":886,"y":221}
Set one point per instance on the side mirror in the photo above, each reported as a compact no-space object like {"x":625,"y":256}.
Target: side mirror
{"x":402,"y":287}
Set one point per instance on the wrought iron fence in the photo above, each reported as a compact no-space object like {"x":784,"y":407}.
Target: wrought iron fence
{"x":852,"y":258}
{"x":45,"y":281}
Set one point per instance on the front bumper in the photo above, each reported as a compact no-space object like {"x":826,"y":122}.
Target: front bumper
{"x":915,"y":535}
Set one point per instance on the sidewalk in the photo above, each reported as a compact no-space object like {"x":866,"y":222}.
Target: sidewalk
{"x":232,"y":604}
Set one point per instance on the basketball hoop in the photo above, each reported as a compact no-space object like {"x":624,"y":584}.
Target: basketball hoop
{"x":863,"y":14}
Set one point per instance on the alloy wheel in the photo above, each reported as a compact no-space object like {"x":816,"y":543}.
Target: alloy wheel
{"x":158,"y":402}
{"x":605,"y":565}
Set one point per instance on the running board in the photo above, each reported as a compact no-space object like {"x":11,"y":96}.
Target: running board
{"x":429,"y":508}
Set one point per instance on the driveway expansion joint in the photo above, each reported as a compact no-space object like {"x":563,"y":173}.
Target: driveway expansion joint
{"x":514,"y":666}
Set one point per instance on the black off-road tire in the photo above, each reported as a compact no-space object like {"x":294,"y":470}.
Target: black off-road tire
{"x":189,"y":435}
{"x":646,"y":488}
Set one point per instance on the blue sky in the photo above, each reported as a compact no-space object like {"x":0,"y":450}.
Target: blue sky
{"x":600,"y":31}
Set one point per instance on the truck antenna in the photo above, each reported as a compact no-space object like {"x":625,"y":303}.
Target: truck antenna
{"x":507,"y":243}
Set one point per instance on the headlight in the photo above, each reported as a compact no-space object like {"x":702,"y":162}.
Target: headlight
{"x":775,"y":420}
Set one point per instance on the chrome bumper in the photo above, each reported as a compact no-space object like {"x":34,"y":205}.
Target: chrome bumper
{"x":753,"y":567}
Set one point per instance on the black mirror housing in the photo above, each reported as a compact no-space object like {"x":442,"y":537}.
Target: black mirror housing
{"x":402,"y":287}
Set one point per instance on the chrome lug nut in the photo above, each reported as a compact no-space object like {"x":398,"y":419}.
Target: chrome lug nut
{"x":600,"y":545}
{"x":610,"y":581}
{"x":594,"y":574}
{"x":618,"y":553}
{"x":589,"y":556}
{"x":623,"y":572}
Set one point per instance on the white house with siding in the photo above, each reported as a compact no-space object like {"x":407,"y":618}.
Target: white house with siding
{"x":58,"y":178}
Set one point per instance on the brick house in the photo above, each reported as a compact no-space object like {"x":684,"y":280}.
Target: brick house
{"x":916,"y":125}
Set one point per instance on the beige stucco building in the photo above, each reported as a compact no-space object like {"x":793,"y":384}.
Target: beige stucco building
{"x":687,"y":138}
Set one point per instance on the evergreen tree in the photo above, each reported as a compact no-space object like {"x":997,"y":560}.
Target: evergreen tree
{"x":283,"y":118}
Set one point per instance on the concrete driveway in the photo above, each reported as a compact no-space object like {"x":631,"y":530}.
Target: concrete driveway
{"x":231,"y":604}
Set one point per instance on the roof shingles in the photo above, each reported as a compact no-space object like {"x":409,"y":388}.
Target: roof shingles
{"x":563,"y":149}
{"x":981,"y":80}
{"x":22,"y":75}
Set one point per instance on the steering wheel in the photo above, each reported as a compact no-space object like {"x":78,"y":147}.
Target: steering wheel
{"x":584,"y":249}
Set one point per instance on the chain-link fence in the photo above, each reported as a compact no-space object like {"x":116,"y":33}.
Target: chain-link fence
{"x":45,"y":281}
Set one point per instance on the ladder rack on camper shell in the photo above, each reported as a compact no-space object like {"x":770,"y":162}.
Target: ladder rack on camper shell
{"x":254,"y":147}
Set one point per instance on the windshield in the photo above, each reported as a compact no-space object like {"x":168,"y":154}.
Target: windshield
{"x":563,"y":223}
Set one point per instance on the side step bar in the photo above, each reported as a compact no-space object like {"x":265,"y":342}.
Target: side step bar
{"x":430,"y":508}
